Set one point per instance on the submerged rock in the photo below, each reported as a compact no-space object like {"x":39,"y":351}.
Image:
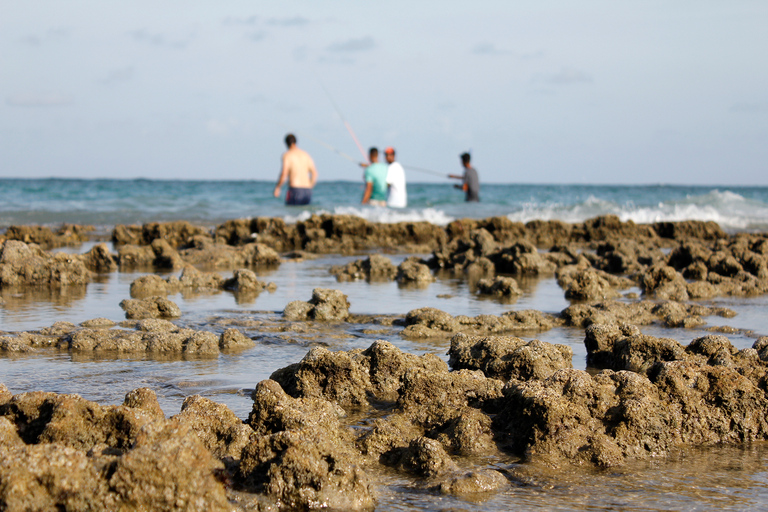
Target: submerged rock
{"x":28,"y":265}
{"x":151,"y":307}
{"x":325,"y":305}
{"x":374,"y":268}
{"x":432,"y":322}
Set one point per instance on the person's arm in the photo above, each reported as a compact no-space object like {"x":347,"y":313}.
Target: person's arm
{"x":367,"y":193}
{"x":312,"y":174}
{"x":456,"y":176}
{"x":282,"y":178}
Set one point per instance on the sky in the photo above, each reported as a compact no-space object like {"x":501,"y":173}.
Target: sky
{"x":544,"y":91}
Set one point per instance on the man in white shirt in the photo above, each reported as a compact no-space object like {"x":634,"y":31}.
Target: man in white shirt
{"x":397,"y":196}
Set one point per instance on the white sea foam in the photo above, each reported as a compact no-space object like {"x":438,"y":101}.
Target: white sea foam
{"x":381,"y":214}
{"x":730,"y":210}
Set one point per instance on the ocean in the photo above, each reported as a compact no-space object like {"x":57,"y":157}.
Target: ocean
{"x":106,"y":202}
{"x":714,"y":478}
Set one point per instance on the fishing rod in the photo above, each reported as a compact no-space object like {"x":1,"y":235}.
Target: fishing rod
{"x":319,"y":141}
{"x":427,"y":171}
{"x":346,"y":124}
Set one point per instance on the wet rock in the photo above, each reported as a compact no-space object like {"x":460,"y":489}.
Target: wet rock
{"x":73,"y":421}
{"x":151,"y":307}
{"x":5,"y":395}
{"x":590,"y":284}
{"x":146,"y":400}
{"x":682,"y":230}
{"x":96,"y":323}
{"x":166,"y":256}
{"x":329,"y":305}
{"x":49,"y":477}
{"x":627,"y":256}
{"x":194,"y":279}
{"x":67,"y":234}
{"x":297,"y":310}
{"x":664,"y":282}
{"x":350,"y":378}
{"x":300,"y":454}
{"x":385,"y":440}
{"x":257,"y":254}
{"x":600,"y":339}
{"x":132,"y":256}
{"x":412,"y":271}
{"x":522,"y":258}
{"x":149,"y":285}
{"x":232,"y":339}
{"x":158,"y":337}
{"x":572,"y":417}
{"x":325,"y":305}
{"x":673,"y":314}
{"x":470,"y":484}
{"x":373,"y":268}
{"x":481,"y":267}
{"x":28,"y":265}
{"x":504,"y":357}
{"x":500,"y":286}
{"x":176,"y":234}
{"x":169,"y":468}
{"x":304,"y":470}
{"x":430,"y":322}
{"x":322,"y":373}
{"x":99,"y":259}
{"x":246,"y":281}
{"x":426,"y":458}
{"x":219,"y":429}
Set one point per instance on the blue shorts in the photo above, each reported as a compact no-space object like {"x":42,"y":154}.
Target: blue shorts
{"x":298,"y":196}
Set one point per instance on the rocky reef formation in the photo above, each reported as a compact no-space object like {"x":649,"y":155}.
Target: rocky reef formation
{"x":325,"y":305}
{"x":243,"y":281}
{"x":154,"y":336}
{"x":446,"y":425}
{"x":432,"y":322}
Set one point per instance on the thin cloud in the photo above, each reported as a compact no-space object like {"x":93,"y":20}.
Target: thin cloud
{"x":748,"y":108}
{"x":52,"y":34}
{"x":234,"y":20}
{"x":257,"y":36}
{"x":118,"y":75}
{"x":143,"y":36}
{"x":489,"y":49}
{"x":361,"y":44}
{"x":50,"y":99}
{"x":568,"y":76}
{"x":296,"y":21}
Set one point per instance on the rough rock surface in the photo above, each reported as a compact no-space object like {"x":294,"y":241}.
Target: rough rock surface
{"x":151,"y":307}
{"x":432,"y":322}
{"x":499,"y":286}
{"x":670,"y":313}
{"x":300,"y":455}
{"x":413,"y":271}
{"x":28,"y":265}
{"x":325,"y":304}
{"x":373,"y":268}
{"x":505,"y":357}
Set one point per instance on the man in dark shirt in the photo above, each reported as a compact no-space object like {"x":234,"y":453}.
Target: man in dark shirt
{"x":471,"y":183}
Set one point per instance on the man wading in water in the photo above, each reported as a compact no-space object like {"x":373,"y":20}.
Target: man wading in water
{"x":299,"y":170}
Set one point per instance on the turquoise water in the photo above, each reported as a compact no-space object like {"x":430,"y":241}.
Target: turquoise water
{"x":105,"y":202}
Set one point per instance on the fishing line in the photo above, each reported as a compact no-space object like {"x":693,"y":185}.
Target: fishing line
{"x":346,"y":124}
{"x":319,"y":141}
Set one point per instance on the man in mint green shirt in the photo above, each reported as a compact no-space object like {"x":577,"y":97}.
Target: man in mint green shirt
{"x":375,"y":180}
